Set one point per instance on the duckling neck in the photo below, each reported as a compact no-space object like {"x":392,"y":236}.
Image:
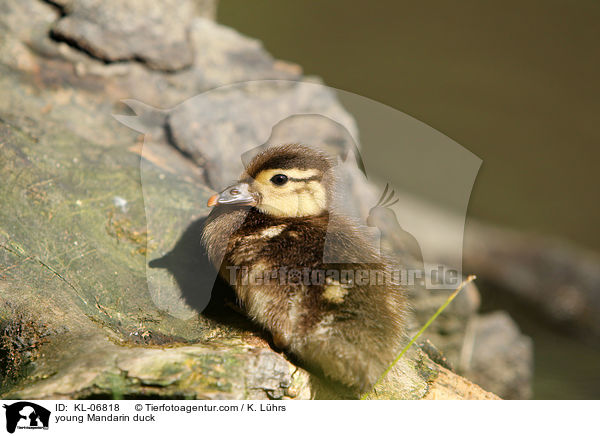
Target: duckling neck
{"x":258,"y":218}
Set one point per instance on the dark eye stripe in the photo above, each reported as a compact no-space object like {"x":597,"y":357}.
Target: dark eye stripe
{"x":308,"y":179}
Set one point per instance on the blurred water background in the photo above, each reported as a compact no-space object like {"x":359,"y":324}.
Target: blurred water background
{"x":516,"y":83}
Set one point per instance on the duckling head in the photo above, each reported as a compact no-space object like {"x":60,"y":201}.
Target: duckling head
{"x":283,"y":181}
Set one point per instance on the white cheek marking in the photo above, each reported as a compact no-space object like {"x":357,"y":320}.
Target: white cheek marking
{"x":318,"y":193}
{"x":312,"y":199}
{"x":296,"y":198}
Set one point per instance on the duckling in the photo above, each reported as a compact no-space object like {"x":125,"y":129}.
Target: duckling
{"x":266,"y":235}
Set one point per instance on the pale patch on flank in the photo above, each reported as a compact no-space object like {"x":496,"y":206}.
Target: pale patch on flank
{"x":335,"y":293}
{"x":323,"y":327}
{"x":271,"y":232}
{"x":294,"y":305}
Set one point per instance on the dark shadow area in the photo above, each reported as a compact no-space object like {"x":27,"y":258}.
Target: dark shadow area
{"x":198,"y":281}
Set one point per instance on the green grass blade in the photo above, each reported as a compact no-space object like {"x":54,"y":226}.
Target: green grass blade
{"x":420,"y":332}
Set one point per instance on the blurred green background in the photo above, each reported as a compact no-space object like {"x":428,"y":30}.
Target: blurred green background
{"x":515,"y":82}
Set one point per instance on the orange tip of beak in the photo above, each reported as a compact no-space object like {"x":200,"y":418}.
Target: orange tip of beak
{"x":212,"y":201}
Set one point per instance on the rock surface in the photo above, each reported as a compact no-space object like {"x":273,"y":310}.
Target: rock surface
{"x":99,"y":286}
{"x":497,"y":344}
{"x":156,"y":34}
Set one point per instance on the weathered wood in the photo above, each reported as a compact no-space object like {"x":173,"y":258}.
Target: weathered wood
{"x":78,"y":318}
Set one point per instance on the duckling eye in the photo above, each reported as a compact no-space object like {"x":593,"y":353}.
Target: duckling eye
{"x":279,"y":179}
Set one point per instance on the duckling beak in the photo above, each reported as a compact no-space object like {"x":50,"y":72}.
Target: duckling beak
{"x":238,"y":195}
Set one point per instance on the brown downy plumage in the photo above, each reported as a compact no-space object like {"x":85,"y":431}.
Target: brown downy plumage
{"x":267,"y":236}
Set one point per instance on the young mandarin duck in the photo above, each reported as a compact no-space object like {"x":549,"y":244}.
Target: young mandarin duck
{"x":267,"y":236}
